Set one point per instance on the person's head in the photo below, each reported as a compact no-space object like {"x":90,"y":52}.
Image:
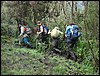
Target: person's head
{"x":24,"y":23}
{"x":57,"y":28}
{"x":20,"y":24}
{"x":39,"y":23}
{"x":72,"y":23}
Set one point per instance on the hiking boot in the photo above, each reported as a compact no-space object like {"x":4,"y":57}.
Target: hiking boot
{"x":29,"y":46}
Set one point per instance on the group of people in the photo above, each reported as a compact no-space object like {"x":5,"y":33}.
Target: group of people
{"x":72,"y":34}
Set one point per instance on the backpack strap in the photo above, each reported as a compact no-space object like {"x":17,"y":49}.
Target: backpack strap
{"x":43,"y":28}
{"x":46,"y":30}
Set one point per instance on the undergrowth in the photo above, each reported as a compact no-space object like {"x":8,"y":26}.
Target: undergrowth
{"x":23,"y":61}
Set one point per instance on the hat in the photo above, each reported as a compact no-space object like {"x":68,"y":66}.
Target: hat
{"x":72,"y":23}
{"x":38,"y":22}
{"x":57,"y":28}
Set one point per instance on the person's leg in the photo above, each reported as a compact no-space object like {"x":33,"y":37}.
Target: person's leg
{"x":70,"y":50}
{"x":68,"y":44}
{"x":43,"y":37}
{"x":22,"y":42}
{"x":25,"y":39}
{"x":55,"y":44}
{"x":27,"y":43}
{"x":40,"y":38}
{"x":68,"y":54}
{"x":73,"y":44}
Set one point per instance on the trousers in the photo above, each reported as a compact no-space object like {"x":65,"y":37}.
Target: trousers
{"x":71,"y":44}
{"x":25,"y":40}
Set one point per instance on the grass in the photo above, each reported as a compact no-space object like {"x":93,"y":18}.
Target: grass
{"x":23,"y":61}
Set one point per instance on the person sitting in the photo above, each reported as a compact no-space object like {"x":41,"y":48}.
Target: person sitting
{"x":24,"y":34}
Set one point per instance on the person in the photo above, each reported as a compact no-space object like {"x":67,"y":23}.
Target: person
{"x":42,"y":32}
{"x":72,"y":34}
{"x":55,"y":38}
{"x":24,"y":34}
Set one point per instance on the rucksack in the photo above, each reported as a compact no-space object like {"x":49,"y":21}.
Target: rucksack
{"x":45,"y":29}
{"x":75,"y":32}
{"x":27,"y":30}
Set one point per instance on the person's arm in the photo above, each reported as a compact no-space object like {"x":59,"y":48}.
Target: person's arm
{"x":22,"y":31}
{"x":66,"y":32}
{"x":66,"y":35}
{"x":49,"y":32}
{"x":60,"y":32}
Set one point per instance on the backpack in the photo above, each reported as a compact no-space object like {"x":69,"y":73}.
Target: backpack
{"x":27,"y":30}
{"x":75,"y":33}
{"x":45,"y":29}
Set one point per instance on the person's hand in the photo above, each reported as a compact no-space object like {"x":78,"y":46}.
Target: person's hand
{"x":61,"y":32}
{"x":19,"y":36}
{"x":49,"y":32}
{"x":65,"y":35}
{"x":37,"y":32}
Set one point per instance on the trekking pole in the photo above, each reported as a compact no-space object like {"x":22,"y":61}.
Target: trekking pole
{"x":37,"y":36}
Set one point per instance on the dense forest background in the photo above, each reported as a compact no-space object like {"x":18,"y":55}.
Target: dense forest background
{"x":52,"y":13}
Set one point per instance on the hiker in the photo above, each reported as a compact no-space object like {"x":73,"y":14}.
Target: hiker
{"x":55,"y":39}
{"x":42,"y":32}
{"x":25,"y":31}
{"x":72,"y":34}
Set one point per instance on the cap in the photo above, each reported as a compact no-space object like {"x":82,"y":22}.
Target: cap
{"x":39,"y":22}
{"x":57,"y":28}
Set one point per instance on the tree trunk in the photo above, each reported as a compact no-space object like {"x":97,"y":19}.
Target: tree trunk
{"x":85,"y":23}
{"x":72,"y":11}
{"x":75,"y":11}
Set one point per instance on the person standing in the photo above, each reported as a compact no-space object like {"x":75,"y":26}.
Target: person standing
{"x":42,"y":32}
{"x":72,"y":34}
{"x":55,"y":38}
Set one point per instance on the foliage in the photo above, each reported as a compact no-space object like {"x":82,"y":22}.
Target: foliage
{"x":19,"y":61}
{"x":23,"y":61}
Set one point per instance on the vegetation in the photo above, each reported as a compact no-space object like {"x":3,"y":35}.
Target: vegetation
{"x":16,"y":60}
